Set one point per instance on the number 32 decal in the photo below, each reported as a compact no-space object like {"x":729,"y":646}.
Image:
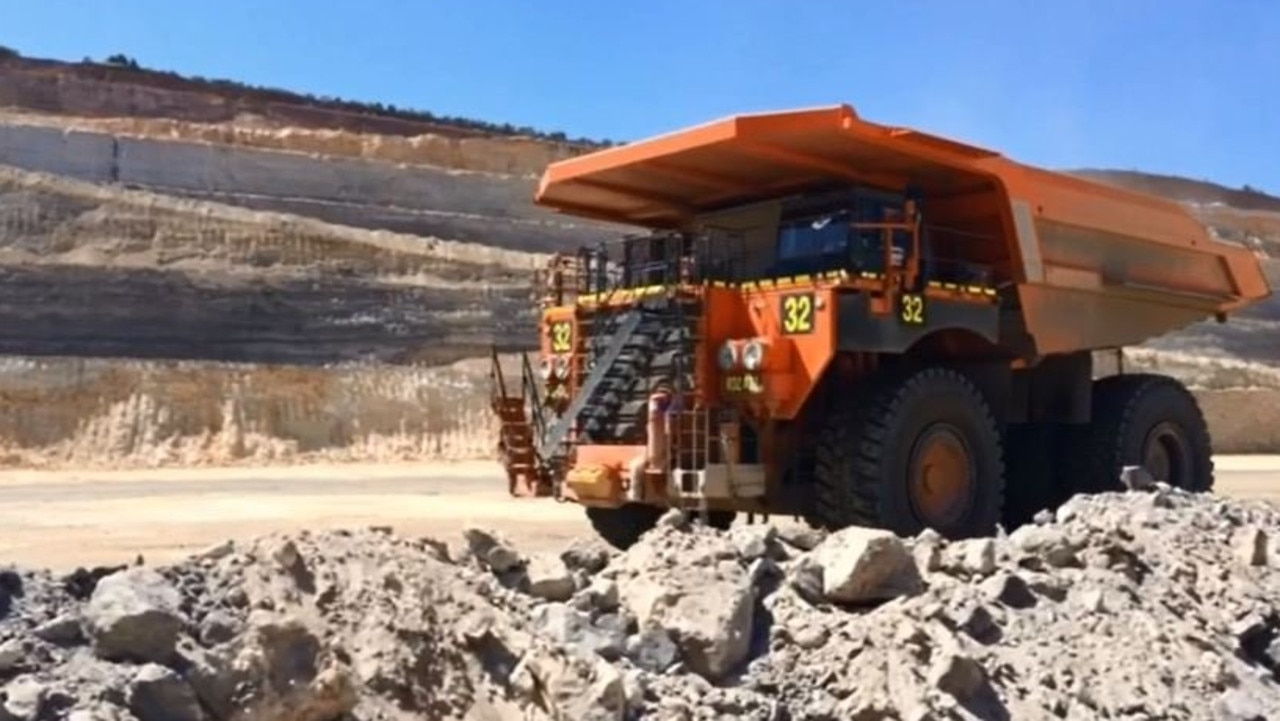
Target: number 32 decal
{"x":561,"y":337}
{"x":911,"y":309}
{"x":797,"y":313}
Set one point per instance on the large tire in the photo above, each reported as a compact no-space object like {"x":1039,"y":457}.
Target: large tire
{"x":917,"y":450}
{"x":1141,"y":419}
{"x":1033,"y":481}
{"x":720,"y":520}
{"x":621,"y":527}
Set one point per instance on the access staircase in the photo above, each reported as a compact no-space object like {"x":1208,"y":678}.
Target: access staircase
{"x":622,"y":351}
{"x":627,"y":352}
{"x":521,"y":422}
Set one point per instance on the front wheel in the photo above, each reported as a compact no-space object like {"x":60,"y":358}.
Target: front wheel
{"x":621,"y":527}
{"x":916,"y":451}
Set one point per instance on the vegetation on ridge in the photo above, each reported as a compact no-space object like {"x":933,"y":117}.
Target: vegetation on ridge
{"x":127,"y":67}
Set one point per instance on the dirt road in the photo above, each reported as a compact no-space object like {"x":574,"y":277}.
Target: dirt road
{"x":64,"y":519}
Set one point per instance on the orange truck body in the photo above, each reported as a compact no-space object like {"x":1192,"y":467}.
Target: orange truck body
{"x":1095,"y":266}
{"x":1070,"y":265}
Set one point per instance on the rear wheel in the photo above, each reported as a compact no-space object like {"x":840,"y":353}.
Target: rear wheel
{"x":920,"y":450}
{"x":1141,"y":420}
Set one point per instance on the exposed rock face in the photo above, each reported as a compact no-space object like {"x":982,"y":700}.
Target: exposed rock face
{"x":1155,"y":604}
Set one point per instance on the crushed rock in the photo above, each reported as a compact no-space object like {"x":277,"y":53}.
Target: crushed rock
{"x":1153,"y":604}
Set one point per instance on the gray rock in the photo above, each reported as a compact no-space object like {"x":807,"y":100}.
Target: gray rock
{"x":762,"y":569}
{"x":805,"y":538}
{"x":587,"y":554}
{"x":1047,"y":543}
{"x":753,"y":541}
{"x":133,"y":615}
{"x":287,"y":671}
{"x":576,"y":630}
{"x":64,"y":630}
{"x":24,"y":699}
{"x":979,"y":624}
{"x":218,"y":627}
{"x":1137,"y":478}
{"x":957,"y":674}
{"x":674,"y":518}
{"x":979,"y":556}
{"x":862,"y":565}
{"x":158,"y":694}
{"x":590,"y":692}
{"x":549,"y":578}
{"x":492,"y":549}
{"x":100,"y":712}
{"x":286,"y":556}
{"x":809,"y":636}
{"x":601,"y":595}
{"x":805,"y":578}
{"x":13,"y":654}
{"x":1251,"y":546}
{"x":653,"y":650}
{"x":1008,"y":589}
{"x":633,"y":688}
{"x":926,"y":549}
{"x":212,"y":676}
{"x":217,"y":551}
{"x":1236,"y":705}
{"x":707,"y":607}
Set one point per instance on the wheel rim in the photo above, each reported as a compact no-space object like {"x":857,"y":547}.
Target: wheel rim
{"x":940,"y":477}
{"x":1167,"y":455}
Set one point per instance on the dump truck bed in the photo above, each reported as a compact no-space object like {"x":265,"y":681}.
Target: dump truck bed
{"x":1093,"y":265}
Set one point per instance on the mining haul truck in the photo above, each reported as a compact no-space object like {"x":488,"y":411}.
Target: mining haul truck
{"x":815,"y":315}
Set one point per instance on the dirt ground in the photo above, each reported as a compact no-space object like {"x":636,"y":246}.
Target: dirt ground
{"x":61,"y":519}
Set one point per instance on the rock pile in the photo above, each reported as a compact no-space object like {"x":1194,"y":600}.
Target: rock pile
{"x":1152,"y":604}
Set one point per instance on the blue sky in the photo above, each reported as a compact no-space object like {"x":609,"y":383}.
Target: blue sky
{"x":1189,"y":87}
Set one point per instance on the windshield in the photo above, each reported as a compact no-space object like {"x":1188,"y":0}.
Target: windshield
{"x":823,"y":235}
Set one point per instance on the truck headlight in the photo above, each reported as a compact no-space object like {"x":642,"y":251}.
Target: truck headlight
{"x":728,"y":356}
{"x":544,"y":368}
{"x":562,"y":367}
{"x":753,"y":354}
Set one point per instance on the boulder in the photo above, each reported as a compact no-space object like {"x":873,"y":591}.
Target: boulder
{"x":133,"y":615}
{"x":652,"y":650}
{"x":549,"y":578}
{"x":492,"y":549}
{"x":63,"y":630}
{"x":753,"y":541}
{"x":24,"y":699}
{"x":693,"y":585}
{"x":576,"y":688}
{"x":577,"y":631}
{"x":1252,"y":546}
{"x":861,"y":565}
{"x":805,"y":538}
{"x":158,"y":694}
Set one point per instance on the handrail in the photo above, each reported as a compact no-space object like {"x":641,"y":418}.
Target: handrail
{"x":495,"y":376}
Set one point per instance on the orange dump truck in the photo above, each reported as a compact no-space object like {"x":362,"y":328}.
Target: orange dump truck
{"x":854,"y":323}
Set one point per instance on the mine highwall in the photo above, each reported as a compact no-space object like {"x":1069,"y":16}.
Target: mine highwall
{"x":492,"y":208}
{"x":74,"y":412}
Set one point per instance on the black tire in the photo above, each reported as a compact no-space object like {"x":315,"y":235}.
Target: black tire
{"x":621,"y":527}
{"x":1033,"y":481}
{"x":721,"y":520}
{"x":1133,"y":414}
{"x":864,"y":456}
